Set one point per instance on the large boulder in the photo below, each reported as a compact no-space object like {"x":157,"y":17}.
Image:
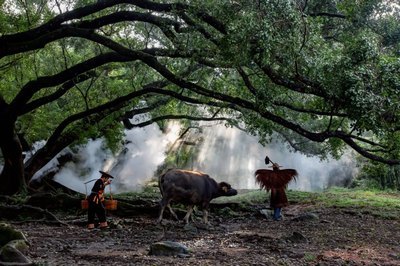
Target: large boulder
{"x":7,"y":234}
{"x":9,"y":254}
{"x":168,"y":248}
{"x":13,"y":245}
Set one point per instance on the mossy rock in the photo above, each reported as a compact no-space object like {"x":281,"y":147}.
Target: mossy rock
{"x":10,"y":254}
{"x":7,"y":234}
{"x":19,"y":244}
{"x":168,"y":248}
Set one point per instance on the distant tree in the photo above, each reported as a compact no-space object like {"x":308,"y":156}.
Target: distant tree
{"x":322,"y":74}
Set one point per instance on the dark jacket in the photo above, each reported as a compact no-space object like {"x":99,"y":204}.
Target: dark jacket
{"x":97,"y":193}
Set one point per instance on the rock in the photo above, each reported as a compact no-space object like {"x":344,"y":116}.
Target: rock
{"x":308,"y":216}
{"x":11,"y":255}
{"x":266,"y":213}
{"x":19,"y":244}
{"x":191,"y":229}
{"x":168,"y":248}
{"x":395,"y":256}
{"x":7,"y":234}
{"x":297,"y":237}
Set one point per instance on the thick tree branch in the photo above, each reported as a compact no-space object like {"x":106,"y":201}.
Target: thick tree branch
{"x":79,"y":13}
{"x":247,"y":80}
{"x":61,"y":139}
{"x":178,"y":117}
{"x":307,"y":110}
{"x":34,"y":86}
{"x":56,"y":95}
{"x":326,"y":14}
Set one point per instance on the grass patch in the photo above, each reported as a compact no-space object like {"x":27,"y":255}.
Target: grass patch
{"x":247,"y":197}
{"x":149,"y":193}
{"x":341,"y":197}
{"x":334,"y":197}
{"x":384,"y":204}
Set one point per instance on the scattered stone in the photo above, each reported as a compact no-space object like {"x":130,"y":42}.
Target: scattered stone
{"x":191,"y":229}
{"x":266,"y":213}
{"x":395,"y":256}
{"x":297,"y":237}
{"x":296,"y":255}
{"x":183,"y":255}
{"x":168,"y":248}
{"x":308,"y":216}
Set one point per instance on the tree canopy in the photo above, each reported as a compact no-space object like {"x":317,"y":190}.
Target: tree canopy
{"x":324,"y":75}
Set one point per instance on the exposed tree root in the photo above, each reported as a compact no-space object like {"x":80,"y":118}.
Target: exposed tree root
{"x":29,"y":212}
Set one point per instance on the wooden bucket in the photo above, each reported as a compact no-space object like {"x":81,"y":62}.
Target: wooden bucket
{"x":110,"y":204}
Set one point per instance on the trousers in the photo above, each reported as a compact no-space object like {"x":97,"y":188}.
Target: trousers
{"x":96,"y":209}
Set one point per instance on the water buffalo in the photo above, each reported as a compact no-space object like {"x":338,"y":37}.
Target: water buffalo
{"x":190,"y":188}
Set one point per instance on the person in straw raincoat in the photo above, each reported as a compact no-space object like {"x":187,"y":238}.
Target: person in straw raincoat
{"x":276,"y":181}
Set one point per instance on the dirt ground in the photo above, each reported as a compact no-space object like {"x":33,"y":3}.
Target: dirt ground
{"x":337,"y":237}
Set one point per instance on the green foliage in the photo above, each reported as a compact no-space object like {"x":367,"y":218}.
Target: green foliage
{"x":113,"y":136}
{"x":247,"y":197}
{"x":309,"y":257}
{"x":149,"y":193}
{"x":378,"y":176}
{"x":314,"y":74}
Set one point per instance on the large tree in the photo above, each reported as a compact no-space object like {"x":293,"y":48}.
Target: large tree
{"x":324,"y":72}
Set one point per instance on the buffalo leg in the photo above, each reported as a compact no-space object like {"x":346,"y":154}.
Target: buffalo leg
{"x":205,"y":216}
{"x":189,"y":212}
{"x":164,"y":203}
{"x":172,"y":212}
{"x":162,"y":208}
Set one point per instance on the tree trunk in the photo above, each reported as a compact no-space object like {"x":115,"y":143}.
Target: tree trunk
{"x":46,"y":154}
{"x":12,"y":175}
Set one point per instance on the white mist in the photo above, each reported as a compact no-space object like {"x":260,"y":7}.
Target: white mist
{"x":226,"y":154}
{"x":229,"y":154}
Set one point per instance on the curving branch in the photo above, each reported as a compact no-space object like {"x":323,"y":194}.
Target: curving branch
{"x":327,"y":14}
{"x":61,"y":138}
{"x":30,"y":88}
{"x":64,"y":88}
{"x":178,"y":117}
{"x":56,"y":22}
{"x":307,"y":110}
{"x":250,"y":106}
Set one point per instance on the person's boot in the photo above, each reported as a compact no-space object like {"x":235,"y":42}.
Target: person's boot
{"x":103,"y":225}
{"x":90,"y":226}
{"x":277,"y":214}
